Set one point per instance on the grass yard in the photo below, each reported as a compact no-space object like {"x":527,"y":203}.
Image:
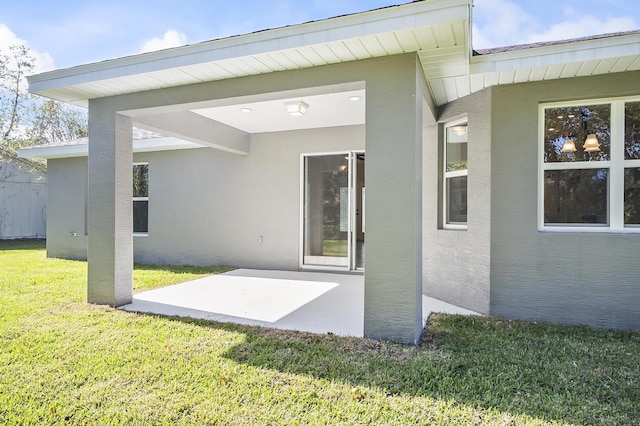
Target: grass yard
{"x":335,"y":248}
{"x":63,"y":361}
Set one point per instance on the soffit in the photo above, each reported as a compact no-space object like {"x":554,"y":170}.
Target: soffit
{"x":438,"y":30}
{"x":432,"y":27}
{"x":573,"y":58}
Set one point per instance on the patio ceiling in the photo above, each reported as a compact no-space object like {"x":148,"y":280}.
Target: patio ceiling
{"x":325,"y":110}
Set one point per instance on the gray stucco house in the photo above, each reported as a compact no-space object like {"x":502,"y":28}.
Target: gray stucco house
{"x":505,"y":181}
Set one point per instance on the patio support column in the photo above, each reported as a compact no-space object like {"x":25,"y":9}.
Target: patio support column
{"x":393,"y":268}
{"x":110,"y":225}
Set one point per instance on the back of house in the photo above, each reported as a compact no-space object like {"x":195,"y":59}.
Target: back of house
{"x":505,"y":181}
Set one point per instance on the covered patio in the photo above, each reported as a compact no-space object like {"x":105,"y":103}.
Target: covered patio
{"x":305,"y":301}
{"x":249,"y":195}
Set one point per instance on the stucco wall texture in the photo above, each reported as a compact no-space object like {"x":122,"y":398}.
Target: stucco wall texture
{"x":207,"y":206}
{"x":456,"y":263}
{"x":577,"y":278}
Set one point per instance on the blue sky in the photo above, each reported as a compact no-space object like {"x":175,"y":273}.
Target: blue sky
{"x":65,"y":33}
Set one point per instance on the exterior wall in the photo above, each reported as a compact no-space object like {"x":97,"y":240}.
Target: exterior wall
{"x":67,"y":206}
{"x":23,"y":199}
{"x":211,"y":207}
{"x":578,"y":278}
{"x":456,"y":263}
{"x":208,"y":206}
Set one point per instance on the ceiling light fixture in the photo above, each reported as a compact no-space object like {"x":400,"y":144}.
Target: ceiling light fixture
{"x":459,"y":130}
{"x":297,"y":108}
{"x":591,"y":144}
{"x":245,"y":109}
{"x":354,"y":98}
{"x":569,"y":146}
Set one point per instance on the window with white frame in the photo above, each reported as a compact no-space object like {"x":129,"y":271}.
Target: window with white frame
{"x":455,"y":175}
{"x":590,"y":166}
{"x":141,"y":198}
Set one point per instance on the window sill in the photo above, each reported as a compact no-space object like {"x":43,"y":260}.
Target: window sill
{"x":140,"y":234}
{"x":453,"y":227}
{"x":587,"y":230}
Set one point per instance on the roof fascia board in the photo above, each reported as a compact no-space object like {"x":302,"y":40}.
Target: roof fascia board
{"x":394,"y":18}
{"x":82,"y":150}
{"x":46,"y":152}
{"x":9,"y":155}
{"x":589,"y":50}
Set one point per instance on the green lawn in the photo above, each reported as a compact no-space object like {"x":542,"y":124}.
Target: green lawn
{"x":63,"y":361}
{"x":335,"y":248}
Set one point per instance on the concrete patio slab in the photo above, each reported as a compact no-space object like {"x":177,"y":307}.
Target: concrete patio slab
{"x":306,"y":301}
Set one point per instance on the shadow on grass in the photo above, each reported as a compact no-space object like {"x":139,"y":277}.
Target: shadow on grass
{"x":551,"y":372}
{"x":23,"y":244}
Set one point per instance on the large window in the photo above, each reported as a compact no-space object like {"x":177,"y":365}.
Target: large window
{"x":455,"y":175}
{"x":590,"y":166}
{"x":141,"y":198}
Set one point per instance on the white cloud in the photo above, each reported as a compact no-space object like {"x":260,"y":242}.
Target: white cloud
{"x":171,"y":38}
{"x":504,"y":23}
{"x":581,"y":27}
{"x":44,"y":61}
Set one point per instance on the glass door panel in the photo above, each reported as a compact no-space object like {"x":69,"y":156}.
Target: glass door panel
{"x":327,"y":211}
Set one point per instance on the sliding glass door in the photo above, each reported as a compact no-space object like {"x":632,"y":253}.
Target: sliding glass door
{"x":333,"y":227}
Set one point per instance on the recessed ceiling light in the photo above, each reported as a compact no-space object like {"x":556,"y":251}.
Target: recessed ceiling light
{"x":354,"y":98}
{"x":245,"y":109}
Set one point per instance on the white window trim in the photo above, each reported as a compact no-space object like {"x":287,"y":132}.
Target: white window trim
{"x":140,"y":234}
{"x":446,"y":175}
{"x":615,"y":165}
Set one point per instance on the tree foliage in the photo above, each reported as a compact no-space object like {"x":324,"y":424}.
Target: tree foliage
{"x":25,"y":119}
{"x":14,"y":67}
{"x":52,"y":121}
{"x":564,"y":123}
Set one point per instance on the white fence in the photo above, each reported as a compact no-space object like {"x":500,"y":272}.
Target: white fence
{"x":23,"y":200}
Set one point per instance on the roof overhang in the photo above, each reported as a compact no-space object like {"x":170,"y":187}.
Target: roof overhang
{"x":80,"y":148}
{"x":438,"y":29}
{"x":549,"y":61}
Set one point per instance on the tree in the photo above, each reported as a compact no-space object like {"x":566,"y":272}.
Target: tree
{"x":31,"y":120}
{"x":14,"y":68}
{"x":52,"y":121}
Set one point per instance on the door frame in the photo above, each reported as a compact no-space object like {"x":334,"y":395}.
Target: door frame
{"x":354,"y":197}
{"x":352,"y":167}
